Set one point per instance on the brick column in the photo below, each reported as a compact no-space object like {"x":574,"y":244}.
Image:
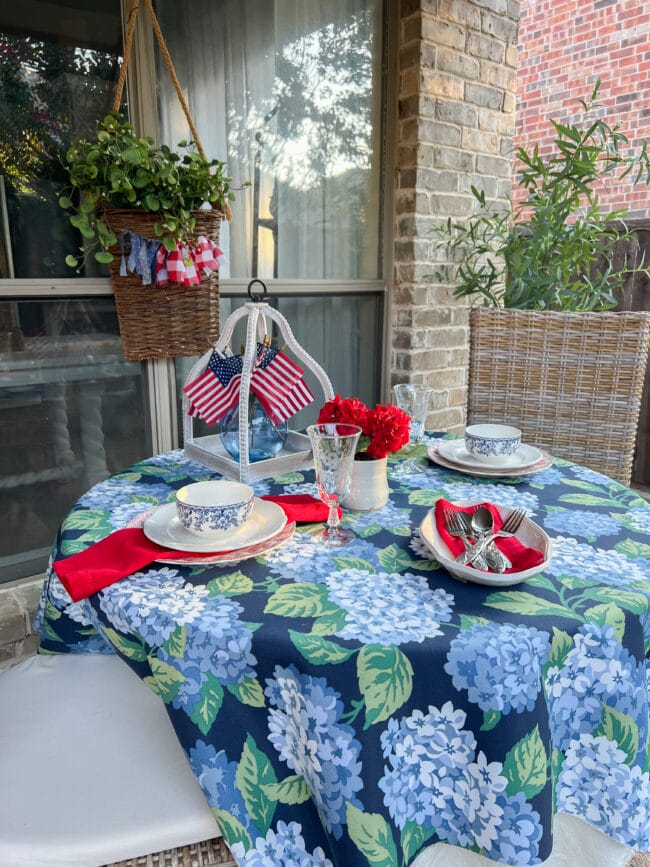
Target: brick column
{"x":457,"y":84}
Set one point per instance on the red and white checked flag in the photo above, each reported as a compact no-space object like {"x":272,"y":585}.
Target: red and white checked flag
{"x":216,"y":390}
{"x":278,"y":383}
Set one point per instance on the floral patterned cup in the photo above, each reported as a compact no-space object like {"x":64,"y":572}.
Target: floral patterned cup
{"x":214,"y":508}
{"x":492,"y":443}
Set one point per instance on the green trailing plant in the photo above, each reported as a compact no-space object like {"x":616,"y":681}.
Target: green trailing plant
{"x":553,"y":249}
{"x":119,"y":169}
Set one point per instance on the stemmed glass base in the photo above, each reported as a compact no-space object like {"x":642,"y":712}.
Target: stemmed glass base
{"x":333,"y":533}
{"x":410,"y":467}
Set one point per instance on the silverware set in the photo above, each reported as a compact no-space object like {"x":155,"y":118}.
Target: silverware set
{"x":477,"y":533}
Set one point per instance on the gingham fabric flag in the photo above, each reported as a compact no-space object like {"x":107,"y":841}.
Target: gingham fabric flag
{"x":216,"y":390}
{"x":278,"y":383}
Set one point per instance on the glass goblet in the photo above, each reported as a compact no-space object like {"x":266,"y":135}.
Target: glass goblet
{"x":334,"y":446}
{"x":414,"y":400}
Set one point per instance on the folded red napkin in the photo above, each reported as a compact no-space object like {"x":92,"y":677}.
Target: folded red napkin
{"x":126,"y":551}
{"x":520,"y":555}
{"x":301,"y":508}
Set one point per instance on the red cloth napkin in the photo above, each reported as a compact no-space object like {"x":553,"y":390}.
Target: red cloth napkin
{"x":301,"y":508}
{"x":126,"y":551}
{"x":520,"y":555}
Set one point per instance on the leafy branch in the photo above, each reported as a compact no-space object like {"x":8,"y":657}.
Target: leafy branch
{"x":122,"y":170}
{"x":553,"y":250}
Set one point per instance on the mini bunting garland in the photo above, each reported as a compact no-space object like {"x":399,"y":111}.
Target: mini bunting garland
{"x":187,"y":264}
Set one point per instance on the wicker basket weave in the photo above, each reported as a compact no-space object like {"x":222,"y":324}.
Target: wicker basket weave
{"x":162,"y":323}
{"x":572,"y":382}
{"x":209,"y":853}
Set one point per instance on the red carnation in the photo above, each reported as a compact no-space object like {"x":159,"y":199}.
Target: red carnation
{"x":384,"y":429}
{"x":389,"y":430}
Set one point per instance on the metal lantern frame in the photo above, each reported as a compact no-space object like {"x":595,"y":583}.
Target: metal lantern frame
{"x":209,"y":450}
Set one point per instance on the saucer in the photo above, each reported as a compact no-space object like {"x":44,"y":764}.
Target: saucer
{"x":454,"y":450}
{"x":164,"y":528}
{"x":453,"y":455}
{"x":224,"y":557}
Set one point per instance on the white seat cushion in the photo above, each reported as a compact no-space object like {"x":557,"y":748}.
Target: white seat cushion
{"x":90,"y":768}
{"x":575,"y":844}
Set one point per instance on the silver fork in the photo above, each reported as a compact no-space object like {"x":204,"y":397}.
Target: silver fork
{"x":458,"y":526}
{"x":509,"y":528}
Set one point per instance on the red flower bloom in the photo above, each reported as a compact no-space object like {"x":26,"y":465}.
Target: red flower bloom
{"x":384,"y":429}
{"x":389,"y":430}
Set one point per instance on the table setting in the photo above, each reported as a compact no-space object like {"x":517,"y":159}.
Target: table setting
{"x":428,"y":678}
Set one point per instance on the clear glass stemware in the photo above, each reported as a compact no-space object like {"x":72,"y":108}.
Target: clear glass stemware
{"x":334,"y":446}
{"x":414,"y":399}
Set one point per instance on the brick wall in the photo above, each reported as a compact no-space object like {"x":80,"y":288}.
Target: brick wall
{"x":457,"y":82}
{"x":564,"y":47}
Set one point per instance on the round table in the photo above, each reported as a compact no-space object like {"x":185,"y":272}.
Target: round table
{"x":352,"y":706}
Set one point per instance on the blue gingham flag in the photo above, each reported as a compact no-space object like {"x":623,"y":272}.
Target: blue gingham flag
{"x":216,"y":390}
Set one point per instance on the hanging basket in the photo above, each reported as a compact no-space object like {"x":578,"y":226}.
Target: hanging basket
{"x":164,"y":322}
{"x":176,"y":320}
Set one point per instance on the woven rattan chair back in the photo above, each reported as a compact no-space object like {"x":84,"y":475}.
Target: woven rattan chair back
{"x":572,"y":382}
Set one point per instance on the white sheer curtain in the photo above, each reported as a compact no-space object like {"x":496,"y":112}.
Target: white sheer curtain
{"x":283,"y":92}
{"x":288,"y":93}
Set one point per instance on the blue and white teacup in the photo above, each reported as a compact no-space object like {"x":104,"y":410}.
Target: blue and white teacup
{"x":214,"y":509}
{"x":492,"y":443}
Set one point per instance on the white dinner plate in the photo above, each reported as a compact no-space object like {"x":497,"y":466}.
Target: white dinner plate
{"x":529,"y":533}
{"x":454,"y":450}
{"x":164,"y":528}
{"x":545,"y":460}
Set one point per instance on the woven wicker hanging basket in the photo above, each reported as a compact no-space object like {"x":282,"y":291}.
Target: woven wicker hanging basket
{"x":164,"y":322}
{"x":176,"y":320}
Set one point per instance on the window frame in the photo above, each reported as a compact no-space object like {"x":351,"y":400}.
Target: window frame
{"x":160,"y":384}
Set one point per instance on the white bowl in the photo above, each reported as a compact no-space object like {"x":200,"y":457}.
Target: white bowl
{"x":214,"y":509}
{"x":491,"y":443}
{"x":529,"y":534}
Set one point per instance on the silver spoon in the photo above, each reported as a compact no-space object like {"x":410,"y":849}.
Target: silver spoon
{"x":482,"y":525}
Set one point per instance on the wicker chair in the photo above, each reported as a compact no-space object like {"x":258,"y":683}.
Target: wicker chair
{"x":571,"y":381}
{"x":93,"y":773}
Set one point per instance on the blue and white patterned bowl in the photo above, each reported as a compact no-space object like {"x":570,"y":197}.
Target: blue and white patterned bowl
{"x":215,"y":508}
{"x":492,"y":443}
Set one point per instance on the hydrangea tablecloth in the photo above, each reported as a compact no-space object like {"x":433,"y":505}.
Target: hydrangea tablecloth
{"x":352,"y":706}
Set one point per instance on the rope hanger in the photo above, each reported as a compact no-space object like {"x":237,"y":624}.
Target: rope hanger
{"x":133,"y":14}
{"x":128,"y":46}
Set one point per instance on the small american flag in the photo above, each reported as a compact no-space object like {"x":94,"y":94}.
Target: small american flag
{"x":278,"y":383}
{"x":216,"y":390}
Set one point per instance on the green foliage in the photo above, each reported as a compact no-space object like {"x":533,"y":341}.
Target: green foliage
{"x":553,"y":250}
{"x":122,"y":170}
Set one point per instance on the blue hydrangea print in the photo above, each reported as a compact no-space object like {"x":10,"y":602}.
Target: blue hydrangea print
{"x":587,"y":524}
{"x":597,"y":671}
{"x":434,"y":777}
{"x":216,"y":776}
{"x":500,"y":665}
{"x":505,"y":495}
{"x":592,"y":476}
{"x":305,"y":729}
{"x":303,"y":558}
{"x":284,"y":847}
{"x":600,"y":565}
{"x":639,"y":520}
{"x":113,"y":493}
{"x":388,"y":608}
{"x":597,"y":785}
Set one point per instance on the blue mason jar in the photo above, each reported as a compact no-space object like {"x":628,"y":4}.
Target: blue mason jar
{"x":265,"y":438}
